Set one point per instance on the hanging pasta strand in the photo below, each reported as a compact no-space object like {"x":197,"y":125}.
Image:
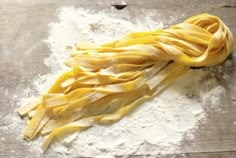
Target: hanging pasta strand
{"x":106,"y":82}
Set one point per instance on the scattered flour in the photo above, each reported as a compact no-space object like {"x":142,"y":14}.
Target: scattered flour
{"x":157,"y":126}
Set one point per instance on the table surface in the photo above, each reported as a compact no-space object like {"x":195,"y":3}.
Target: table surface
{"x":24,"y":24}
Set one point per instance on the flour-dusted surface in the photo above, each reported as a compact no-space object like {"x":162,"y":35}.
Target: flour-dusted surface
{"x":82,"y":25}
{"x":25,"y":23}
{"x":156,"y":127}
{"x":159,"y":125}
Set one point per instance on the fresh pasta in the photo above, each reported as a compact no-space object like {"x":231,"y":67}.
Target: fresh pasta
{"x":106,"y":82}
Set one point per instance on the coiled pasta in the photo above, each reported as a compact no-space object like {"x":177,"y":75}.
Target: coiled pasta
{"x":106,"y":82}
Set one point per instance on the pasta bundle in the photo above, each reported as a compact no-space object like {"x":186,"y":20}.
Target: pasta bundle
{"x":106,"y":82}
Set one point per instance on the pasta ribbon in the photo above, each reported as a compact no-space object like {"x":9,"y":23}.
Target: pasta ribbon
{"x":106,"y":82}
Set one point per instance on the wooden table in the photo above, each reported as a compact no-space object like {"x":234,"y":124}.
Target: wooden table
{"x":23,"y":24}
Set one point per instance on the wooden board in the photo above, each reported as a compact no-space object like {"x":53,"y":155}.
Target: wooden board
{"x":23,"y":24}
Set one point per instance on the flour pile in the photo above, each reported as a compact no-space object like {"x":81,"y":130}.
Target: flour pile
{"x":159,"y":125}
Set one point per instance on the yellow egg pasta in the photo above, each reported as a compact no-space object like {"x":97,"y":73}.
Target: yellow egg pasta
{"x":106,"y":82}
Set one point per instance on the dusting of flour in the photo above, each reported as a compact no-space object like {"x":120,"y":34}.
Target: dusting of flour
{"x":157,"y":126}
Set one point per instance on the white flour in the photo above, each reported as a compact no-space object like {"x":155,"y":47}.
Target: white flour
{"x":157,"y":126}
